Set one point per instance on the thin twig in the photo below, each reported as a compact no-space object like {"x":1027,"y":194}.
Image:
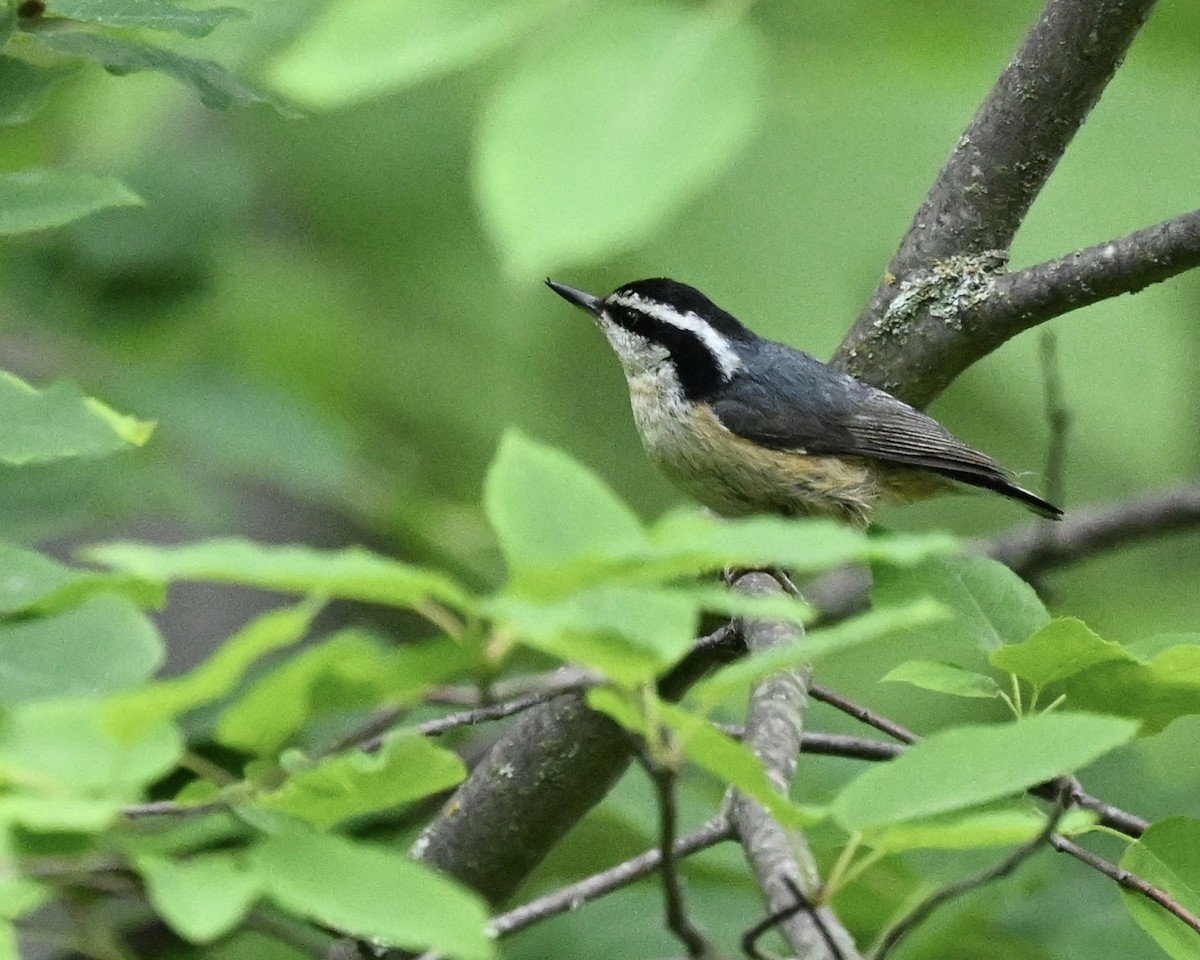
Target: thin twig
{"x":919,"y":914}
{"x":1084,"y":532}
{"x":676,"y":915}
{"x":853,"y":748}
{"x":1127,"y":880}
{"x":716,"y":830}
{"x":802,"y":905}
{"x":170,"y":808}
{"x":1110,"y":816}
{"x":1058,"y":416}
{"x":1036,"y":547}
{"x":466,"y":718}
{"x":560,"y":680}
{"x":862,"y":714}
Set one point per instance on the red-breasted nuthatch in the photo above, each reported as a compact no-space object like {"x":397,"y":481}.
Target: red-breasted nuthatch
{"x":748,"y":425}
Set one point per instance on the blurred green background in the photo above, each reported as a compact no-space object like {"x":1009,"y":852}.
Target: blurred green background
{"x":327,"y":318}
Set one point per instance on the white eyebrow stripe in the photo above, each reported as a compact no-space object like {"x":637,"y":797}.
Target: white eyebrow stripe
{"x":728,"y":361}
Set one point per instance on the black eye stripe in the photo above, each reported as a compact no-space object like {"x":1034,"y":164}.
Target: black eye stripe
{"x":698,"y":371}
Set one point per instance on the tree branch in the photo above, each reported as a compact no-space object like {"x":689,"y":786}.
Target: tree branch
{"x":571,"y":897}
{"x":677,"y":919}
{"x":923,"y":910}
{"x":1025,"y":298}
{"x":780,"y":857}
{"x":1127,"y":880}
{"x":1037,"y":547}
{"x":960,"y":235}
{"x":802,"y":903}
{"x":552,"y":766}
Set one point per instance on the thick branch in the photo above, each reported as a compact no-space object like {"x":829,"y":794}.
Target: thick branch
{"x":967,"y":221}
{"x":778,"y":856}
{"x":547,"y":771}
{"x":1023,"y":299}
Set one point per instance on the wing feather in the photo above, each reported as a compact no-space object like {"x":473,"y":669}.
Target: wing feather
{"x":847,"y":418}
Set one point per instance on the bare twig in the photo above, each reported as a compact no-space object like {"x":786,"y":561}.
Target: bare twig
{"x":676,"y":915}
{"x":982,"y":194}
{"x":1110,"y":816}
{"x":1059,"y":418}
{"x":592,"y":888}
{"x":169,"y":808}
{"x":1031,"y":550}
{"x":560,"y":680}
{"x":862,"y":714}
{"x":1024,"y":298}
{"x":1036,"y":547}
{"x":802,"y":904}
{"x":1127,"y":880}
{"x":925,"y":908}
{"x":780,"y":857}
{"x":853,"y":748}
{"x":465,"y":718}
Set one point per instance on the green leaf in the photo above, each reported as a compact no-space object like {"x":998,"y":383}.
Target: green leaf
{"x":737,"y":678}
{"x":103,"y":645}
{"x":627,"y":633}
{"x":1168,"y":857}
{"x":37,"y":426}
{"x":40,"y":199}
{"x":217,"y":676}
{"x":406,"y":768}
{"x":55,"y":814}
{"x":349,"y":671}
{"x":717,"y":598}
{"x":686,"y":542}
{"x":550,"y":512}
{"x":31,"y":582}
{"x":24,"y":88}
{"x":579,"y":151}
{"x":969,"y":765}
{"x":944,"y":678}
{"x":404,"y":904}
{"x":358,"y":49}
{"x":350,"y":574}
{"x":711,"y":749}
{"x":991,"y":604}
{"x":1061,"y":649}
{"x":215,"y":86}
{"x":203,"y":897}
{"x":996,"y":827}
{"x":153,"y":14}
{"x":62,"y":748}
{"x":18,"y":895}
{"x":1155,"y":691}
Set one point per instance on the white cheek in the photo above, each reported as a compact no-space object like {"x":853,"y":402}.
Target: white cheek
{"x":637,"y":354}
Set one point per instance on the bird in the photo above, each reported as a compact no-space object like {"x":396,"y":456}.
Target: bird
{"x":747,"y":425}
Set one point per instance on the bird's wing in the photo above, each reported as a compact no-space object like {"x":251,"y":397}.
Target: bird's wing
{"x":843,"y":417}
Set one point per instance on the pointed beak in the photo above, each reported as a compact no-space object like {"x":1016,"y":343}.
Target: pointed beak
{"x":592,"y":304}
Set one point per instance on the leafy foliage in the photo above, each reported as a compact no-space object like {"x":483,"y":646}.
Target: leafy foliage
{"x":565,"y":134}
{"x":41,"y":199}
